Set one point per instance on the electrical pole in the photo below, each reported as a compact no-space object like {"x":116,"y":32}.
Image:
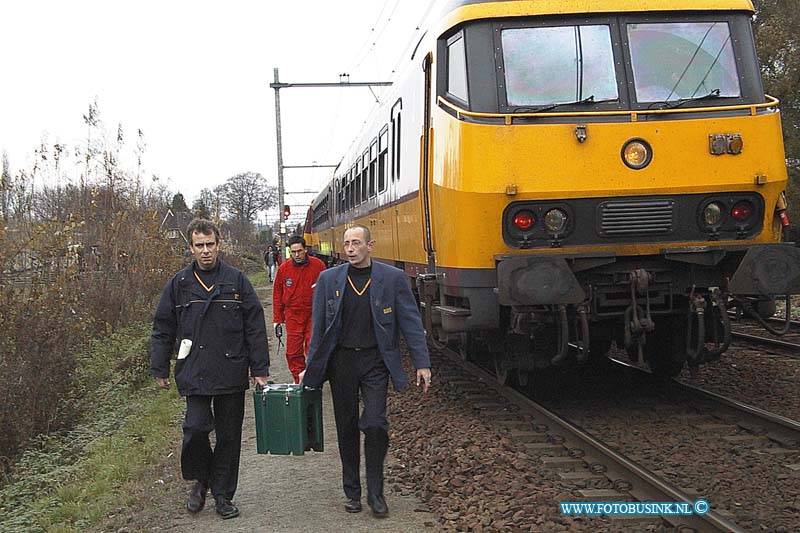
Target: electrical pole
{"x":282,"y":223}
{"x":277,"y":85}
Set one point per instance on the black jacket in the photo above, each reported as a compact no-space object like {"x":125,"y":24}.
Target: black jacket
{"x":227,"y":330}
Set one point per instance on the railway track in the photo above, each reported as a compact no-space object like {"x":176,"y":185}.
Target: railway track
{"x":561,"y":444}
{"x":749,"y":330}
{"x":774,"y":427}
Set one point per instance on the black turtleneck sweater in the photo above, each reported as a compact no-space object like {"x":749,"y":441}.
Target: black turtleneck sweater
{"x":357,"y":329}
{"x":209,"y":277}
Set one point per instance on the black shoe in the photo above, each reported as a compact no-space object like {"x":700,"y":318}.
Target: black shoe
{"x":378,"y":506}
{"x":225,"y":508}
{"x":352,"y":506}
{"x":197,"y":497}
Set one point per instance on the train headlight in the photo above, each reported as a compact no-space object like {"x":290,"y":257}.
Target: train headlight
{"x":742,"y":211}
{"x":524,"y":220}
{"x":555,"y":221}
{"x":637,"y":154}
{"x":712,"y":214}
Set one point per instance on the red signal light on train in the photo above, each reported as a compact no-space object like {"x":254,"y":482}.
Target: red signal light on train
{"x":524,"y":220}
{"x":742,"y":211}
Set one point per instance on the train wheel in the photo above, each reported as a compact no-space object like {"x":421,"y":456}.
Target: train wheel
{"x":502,"y":367}
{"x":466,"y":345}
{"x":665,"y":350}
{"x":600,"y":338}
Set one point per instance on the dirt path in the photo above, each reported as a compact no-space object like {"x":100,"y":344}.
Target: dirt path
{"x":276,"y":493}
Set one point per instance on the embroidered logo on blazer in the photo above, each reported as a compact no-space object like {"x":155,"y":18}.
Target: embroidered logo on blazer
{"x":387,"y":310}
{"x":288,"y":282}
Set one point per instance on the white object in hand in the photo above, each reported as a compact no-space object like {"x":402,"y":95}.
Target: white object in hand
{"x":186,"y":347}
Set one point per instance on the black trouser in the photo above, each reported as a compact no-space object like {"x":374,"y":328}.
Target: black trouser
{"x":349,"y":372}
{"x":218,"y":468}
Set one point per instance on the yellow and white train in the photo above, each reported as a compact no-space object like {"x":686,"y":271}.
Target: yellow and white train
{"x":557,"y":175}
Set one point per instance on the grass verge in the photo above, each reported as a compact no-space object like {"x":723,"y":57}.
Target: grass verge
{"x":72,"y":481}
{"x":258,"y":279}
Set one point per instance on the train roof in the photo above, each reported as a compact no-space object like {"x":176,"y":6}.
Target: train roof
{"x":605,"y":6}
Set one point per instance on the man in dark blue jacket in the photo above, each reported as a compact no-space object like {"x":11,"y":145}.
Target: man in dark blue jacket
{"x":210,"y":310}
{"x":359,"y":310}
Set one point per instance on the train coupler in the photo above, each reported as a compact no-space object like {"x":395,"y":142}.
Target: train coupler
{"x":695,"y":345}
{"x":721,"y":339}
{"x":638,"y":320}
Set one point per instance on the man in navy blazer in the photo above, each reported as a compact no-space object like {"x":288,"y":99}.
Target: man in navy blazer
{"x":359,"y":310}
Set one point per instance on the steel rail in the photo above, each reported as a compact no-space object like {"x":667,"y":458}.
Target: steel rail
{"x":767,"y":341}
{"x":773,"y":421}
{"x":645,"y":486}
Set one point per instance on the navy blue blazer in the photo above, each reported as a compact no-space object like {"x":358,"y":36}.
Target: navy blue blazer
{"x":393,"y":308}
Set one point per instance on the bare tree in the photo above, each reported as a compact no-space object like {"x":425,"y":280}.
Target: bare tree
{"x":5,"y":187}
{"x":242,"y":197}
{"x":203,"y":204}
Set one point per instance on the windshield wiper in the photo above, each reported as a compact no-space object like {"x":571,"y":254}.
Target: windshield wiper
{"x":714,"y":93}
{"x":664,"y":104}
{"x":587,"y":100}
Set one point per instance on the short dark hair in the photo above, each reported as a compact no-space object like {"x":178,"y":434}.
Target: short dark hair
{"x":296,"y":239}
{"x":201,"y":225}
{"x":367,"y":235}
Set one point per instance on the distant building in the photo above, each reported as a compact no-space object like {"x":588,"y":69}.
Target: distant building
{"x":174,"y":226}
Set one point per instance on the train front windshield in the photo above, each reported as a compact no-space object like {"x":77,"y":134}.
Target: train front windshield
{"x":682,"y":60}
{"x":558,"y":64}
{"x":623,"y":62}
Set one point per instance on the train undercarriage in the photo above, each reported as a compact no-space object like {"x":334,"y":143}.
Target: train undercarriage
{"x":555,"y":312}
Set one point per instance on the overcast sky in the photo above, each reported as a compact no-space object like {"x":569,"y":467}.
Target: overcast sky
{"x":194,"y":77}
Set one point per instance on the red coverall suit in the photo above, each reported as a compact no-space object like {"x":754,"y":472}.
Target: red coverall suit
{"x":292,"y":296}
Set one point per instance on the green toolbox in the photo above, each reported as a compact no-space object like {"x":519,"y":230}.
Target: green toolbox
{"x":288,"y":419}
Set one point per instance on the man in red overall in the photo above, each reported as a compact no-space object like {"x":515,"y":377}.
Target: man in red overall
{"x":292,"y":296}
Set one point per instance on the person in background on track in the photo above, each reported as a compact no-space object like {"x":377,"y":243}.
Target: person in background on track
{"x":292,"y":296}
{"x":272,"y":261}
{"x":212,"y":311}
{"x":358,"y":309}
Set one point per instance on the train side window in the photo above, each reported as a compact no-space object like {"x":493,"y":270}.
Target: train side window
{"x":328,"y":204}
{"x":357,"y":178}
{"x":457,"y":68}
{"x":364,"y":174}
{"x":383,"y":155}
{"x":345,"y":180}
{"x":396,"y":109}
{"x":373,"y":166}
{"x":351,"y":196}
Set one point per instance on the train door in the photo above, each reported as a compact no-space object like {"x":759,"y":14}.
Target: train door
{"x":394,"y":176}
{"x":426,"y":177}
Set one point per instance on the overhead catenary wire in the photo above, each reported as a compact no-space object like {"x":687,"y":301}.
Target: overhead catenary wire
{"x":376,"y":38}
{"x":367,"y":39}
{"x":371,"y":44}
{"x":412,"y":40}
{"x":331,"y":152}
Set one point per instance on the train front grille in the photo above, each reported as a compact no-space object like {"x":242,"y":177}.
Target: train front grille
{"x":631,"y":218}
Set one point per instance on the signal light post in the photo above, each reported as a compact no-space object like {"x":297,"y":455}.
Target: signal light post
{"x":277,"y":85}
